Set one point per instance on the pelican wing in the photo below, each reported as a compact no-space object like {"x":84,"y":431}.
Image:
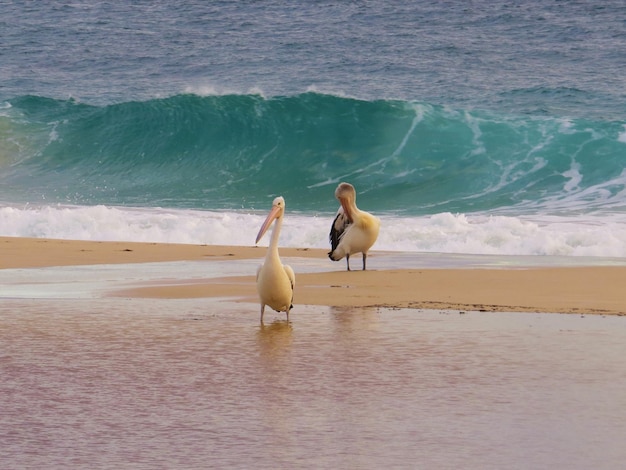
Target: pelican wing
{"x":290,"y":274}
{"x":338,"y":228}
{"x":292,"y":278}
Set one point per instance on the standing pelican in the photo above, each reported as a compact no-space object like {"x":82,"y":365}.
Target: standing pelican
{"x":274,"y":281}
{"x":353,"y":230}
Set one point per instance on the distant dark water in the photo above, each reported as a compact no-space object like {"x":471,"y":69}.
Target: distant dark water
{"x":522,"y":57}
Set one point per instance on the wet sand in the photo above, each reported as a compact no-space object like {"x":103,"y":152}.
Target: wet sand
{"x":406,"y":281}
{"x":126,"y":355}
{"x":194,"y":384}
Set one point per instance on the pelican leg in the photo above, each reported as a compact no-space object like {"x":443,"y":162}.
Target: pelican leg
{"x":262,"y":312}
{"x":348,"y":261}
{"x":364,"y":258}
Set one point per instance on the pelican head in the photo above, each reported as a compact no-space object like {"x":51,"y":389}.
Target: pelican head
{"x":277,"y":211}
{"x":346,"y":195}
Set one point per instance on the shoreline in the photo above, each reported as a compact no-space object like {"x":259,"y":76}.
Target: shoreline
{"x":595,"y":289}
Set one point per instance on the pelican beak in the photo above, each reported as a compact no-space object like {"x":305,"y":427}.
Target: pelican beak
{"x":346,"y":208}
{"x":268,"y":221}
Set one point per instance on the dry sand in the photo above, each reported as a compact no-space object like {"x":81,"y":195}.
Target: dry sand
{"x":583,"y":290}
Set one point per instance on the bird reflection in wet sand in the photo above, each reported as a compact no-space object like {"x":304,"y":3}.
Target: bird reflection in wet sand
{"x":275,"y":338}
{"x":274,"y":280}
{"x":353,"y":230}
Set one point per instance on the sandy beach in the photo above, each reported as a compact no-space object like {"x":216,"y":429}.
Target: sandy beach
{"x":576,"y":289}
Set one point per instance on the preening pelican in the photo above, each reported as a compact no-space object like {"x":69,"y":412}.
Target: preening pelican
{"x":353,"y":230}
{"x":274,"y":281}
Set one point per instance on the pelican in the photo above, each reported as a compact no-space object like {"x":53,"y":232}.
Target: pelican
{"x":353,"y":230}
{"x":274,"y":280}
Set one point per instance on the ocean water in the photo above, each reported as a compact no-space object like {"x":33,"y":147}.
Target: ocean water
{"x":467,"y":127}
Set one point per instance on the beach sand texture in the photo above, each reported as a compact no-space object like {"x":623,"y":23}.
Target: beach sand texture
{"x":577,"y":289}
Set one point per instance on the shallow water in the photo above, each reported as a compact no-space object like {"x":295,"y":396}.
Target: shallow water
{"x":118,"y":383}
{"x":74,"y":282}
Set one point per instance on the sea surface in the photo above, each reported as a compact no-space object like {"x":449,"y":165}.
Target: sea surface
{"x":467,"y":127}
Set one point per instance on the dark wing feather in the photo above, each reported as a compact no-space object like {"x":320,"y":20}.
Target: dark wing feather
{"x":338,"y":228}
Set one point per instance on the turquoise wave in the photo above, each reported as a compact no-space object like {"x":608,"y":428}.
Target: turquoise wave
{"x":236,"y":151}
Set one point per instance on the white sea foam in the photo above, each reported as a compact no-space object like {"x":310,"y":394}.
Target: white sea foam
{"x":574,"y":176}
{"x":216,"y":90}
{"x":439,"y":233}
